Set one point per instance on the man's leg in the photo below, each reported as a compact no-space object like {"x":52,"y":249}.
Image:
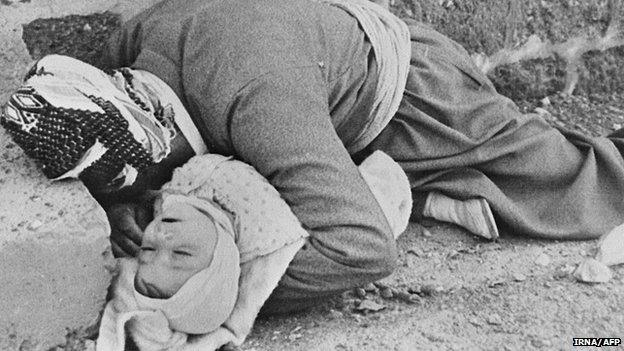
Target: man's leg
{"x":455,"y":135}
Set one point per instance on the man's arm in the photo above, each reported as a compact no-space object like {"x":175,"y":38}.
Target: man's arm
{"x":281,"y":125}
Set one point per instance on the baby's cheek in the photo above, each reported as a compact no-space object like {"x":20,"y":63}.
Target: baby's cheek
{"x":168,"y":235}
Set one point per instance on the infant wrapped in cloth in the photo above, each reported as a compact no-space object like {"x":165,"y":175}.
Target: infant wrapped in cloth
{"x":219,"y":243}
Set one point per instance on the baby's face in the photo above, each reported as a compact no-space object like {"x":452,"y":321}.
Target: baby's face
{"x":178,"y":243}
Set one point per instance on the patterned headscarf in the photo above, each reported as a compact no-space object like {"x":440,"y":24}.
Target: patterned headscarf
{"x":76,"y":121}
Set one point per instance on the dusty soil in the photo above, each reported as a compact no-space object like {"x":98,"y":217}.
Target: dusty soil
{"x":465,"y":293}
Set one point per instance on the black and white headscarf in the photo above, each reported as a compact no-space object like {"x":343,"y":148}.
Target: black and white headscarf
{"x":78,"y":122}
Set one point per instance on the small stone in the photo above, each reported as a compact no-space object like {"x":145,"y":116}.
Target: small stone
{"x":494,"y":319}
{"x":386,"y":293}
{"x":381,"y":285}
{"x":611,"y":247}
{"x":361,"y":293}
{"x":617,"y":126}
{"x":428,"y":290}
{"x":406,"y":297}
{"x":543,"y":260}
{"x":34,"y":225}
{"x":86,"y":27}
{"x":496,"y":283}
{"x":369,"y":305}
{"x":545,"y":101}
{"x":519,"y":277}
{"x":475,"y":321}
{"x":414,"y":251}
{"x":415,"y":289}
{"x":371,"y":288}
{"x":426,"y":233}
{"x":593,"y":271}
{"x":541,"y":111}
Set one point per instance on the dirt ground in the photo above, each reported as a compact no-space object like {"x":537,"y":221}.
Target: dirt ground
{"x":465,"y":293}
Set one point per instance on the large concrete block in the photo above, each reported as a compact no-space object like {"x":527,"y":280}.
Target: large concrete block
{"x":54,"y":250}
{"x":54,"y":244}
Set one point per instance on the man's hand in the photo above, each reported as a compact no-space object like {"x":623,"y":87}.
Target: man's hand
{"x":128,"y":221}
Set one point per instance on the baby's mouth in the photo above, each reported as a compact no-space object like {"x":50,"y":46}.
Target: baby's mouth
{"x":149,"y":290}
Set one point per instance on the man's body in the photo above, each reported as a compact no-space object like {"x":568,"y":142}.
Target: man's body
{"x":287,"y":87}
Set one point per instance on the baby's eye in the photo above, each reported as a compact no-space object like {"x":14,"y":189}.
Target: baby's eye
{"x":182,"y":253}
{"x":147,"y":248}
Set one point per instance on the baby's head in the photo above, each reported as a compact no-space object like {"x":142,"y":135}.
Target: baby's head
{"x":188,"y":266}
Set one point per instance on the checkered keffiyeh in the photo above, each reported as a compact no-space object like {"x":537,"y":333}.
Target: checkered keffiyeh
{"x":76,"y":121}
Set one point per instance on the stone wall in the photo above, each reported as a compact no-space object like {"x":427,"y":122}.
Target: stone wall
{"x":533,"y":48}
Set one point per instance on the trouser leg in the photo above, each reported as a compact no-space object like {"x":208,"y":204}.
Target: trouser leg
{"x":454,"y":134}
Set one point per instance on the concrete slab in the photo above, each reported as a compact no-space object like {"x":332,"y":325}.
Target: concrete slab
{"x":54,"y":249}
{"x":54,"y":246}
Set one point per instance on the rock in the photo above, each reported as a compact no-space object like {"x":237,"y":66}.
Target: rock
{"x":593,"y":271}
{"x":430,"y":290}
{"x":386,"y":293}
{"x":415,"y":289}
{"x":359,"y":292}
{"x":475,"y":321}
{"x":611,"y":247}
{"x":406,"y":297}
{"x":545,"y":102}
{"x":519,"y":277}
{"x":543,"y":260}
{"x":496,"y":283}
{"x":53,"y":275}
{"x":414,"y":251}
{"x":541,"y":111}
{"x":371,"y":288}
{"x":34,"y":225}
{"x":369,"y":305}
{"x":494,"y":319}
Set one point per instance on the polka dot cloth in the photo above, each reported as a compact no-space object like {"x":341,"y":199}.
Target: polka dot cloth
{"x":262,"y":220}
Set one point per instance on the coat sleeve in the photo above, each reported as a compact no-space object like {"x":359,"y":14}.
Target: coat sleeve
{"x":281,"y":124}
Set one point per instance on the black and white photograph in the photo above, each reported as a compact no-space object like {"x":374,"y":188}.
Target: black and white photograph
{"x":311,"y":175}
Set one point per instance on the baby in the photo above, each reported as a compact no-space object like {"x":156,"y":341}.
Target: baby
{"x":215,"y":216}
